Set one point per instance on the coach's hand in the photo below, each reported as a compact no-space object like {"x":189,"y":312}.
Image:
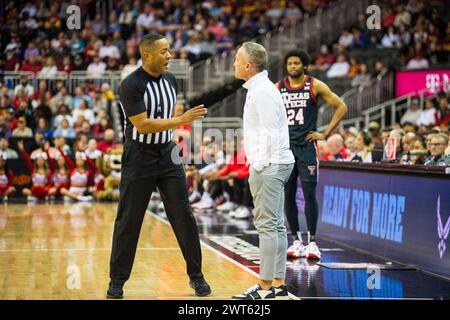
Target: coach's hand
{"x":193,"y":114}
{"x":314,"y":136}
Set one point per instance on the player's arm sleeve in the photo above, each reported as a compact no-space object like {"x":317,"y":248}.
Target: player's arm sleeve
{"x":131,"y":97}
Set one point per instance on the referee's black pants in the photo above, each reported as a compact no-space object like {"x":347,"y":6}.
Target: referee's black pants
{"x":145,"y":167}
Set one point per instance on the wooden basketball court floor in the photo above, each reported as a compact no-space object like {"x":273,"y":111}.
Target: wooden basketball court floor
{"x":62,"y":251}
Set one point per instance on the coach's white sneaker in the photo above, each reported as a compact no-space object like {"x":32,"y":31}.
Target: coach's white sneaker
{"x":312,"y":251}
{"x":297,"y":250}
{"x":255,"y":293}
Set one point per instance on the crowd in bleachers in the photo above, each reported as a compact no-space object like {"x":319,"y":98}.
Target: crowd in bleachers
{"x":35,"y":36}
{"x":414,"y":35}
{"x":53,"y":122}
{"x":420,"y":137}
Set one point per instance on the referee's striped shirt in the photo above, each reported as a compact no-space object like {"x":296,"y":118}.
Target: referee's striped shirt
{"x":140,"y":92}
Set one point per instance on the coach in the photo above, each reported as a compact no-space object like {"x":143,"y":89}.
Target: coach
{"x":147,"y":98}
{"x":266,"y":139}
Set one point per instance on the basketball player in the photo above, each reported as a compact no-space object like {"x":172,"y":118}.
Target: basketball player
{"x":300,"y":93}
{"x":148,"y":97}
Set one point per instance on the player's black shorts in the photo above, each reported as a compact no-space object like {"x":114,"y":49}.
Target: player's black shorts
{"x":306,"y":161}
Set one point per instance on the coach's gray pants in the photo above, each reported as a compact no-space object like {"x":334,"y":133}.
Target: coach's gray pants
{"x":267,"y":187}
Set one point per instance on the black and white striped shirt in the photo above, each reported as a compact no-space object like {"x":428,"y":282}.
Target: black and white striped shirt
{"x":140,"y":92}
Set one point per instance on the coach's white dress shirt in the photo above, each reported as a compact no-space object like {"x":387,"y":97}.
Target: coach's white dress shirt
{"x":266,"y":133}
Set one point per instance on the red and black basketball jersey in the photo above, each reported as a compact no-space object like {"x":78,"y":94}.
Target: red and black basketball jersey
{"x":301,"y":108}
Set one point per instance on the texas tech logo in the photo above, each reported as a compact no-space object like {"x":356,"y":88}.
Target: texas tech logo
{"x":442,"y":230}
{"x":311,"y":169}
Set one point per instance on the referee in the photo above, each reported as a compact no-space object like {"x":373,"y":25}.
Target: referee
{"x":147,"y":99}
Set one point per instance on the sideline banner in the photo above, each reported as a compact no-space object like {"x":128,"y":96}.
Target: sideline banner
{"x":398,"y":216}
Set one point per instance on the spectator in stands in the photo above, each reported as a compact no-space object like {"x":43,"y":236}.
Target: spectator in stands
{"x":79,"y":96}
{"x":418,"y":62}
{"x":349,"y":140}
{"x":323,"y":149}
{"x":63,"y":113}
{"x":380,"y":70}
{"x":49,"y":69}
{"x":225,"y":43}
{"x":388,"y":17}
{"x":438,"y":144}
{"x":108,"y":142}
{"x":78,"y":63}
{"x":428,"y":115}
{"x":146,"y":18}
{"x":107,"y":96}
{"x":412,"y":114}
{"x":99,"y":25}
{"x":60,"y":143}
{"x":64,"y":129}
{"x":360,"y":39}
{"x":12,"y":61}
{"x":408,"y":142}
{"x":31,"y":51}
{"x":22,"y":131}
{"x":390,"y":39}
{"x":324,"y":59}
{"x":354,"y":68}
{"x":92,"y":151}
{"x":100,"y":128}
{"x":62,"y":97}
{"x":125,"y":21}
{"x":362,"y":148}
{"x":346,"y":39}
{"x":6,"y":150}
{"x":42,"y":126}
{"x":129,"y":68}
{"x":340,"y":68}
{"x":83,"y":110}
{"x":28,"y":88}
{"x":443,"y":113}
{"x":85,"y":130}
{"x":108,"y":50}
{"x":409,"y":127}
{"x":403,"y":17}
{"x":5,"y":132}
{"x":32,"y":65}
{"x":96,"y":68}
{"x":363,"y":78}
{"x":394,"y":141}
{"x":20,"y":98}
{"x":337,"y":151}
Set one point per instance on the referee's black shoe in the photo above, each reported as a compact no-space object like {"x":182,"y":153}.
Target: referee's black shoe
{"x":115,"y":291}
{"x":201,"y":287}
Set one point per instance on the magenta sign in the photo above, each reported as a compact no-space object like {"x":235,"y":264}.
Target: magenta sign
{"x":415,"y":81}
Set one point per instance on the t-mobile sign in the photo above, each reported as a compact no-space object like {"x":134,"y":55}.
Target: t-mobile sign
{"x":416,"y":80}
